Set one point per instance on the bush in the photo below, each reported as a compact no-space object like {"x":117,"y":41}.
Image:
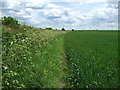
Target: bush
{"x":62,"y":29}
{"x":49,"y":28}
{"x":73,"y":30}
{"x":10,"y":21}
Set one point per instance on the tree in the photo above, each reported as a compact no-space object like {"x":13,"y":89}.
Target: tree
{"x":49,"y":28}
{"x":62,"y":29}
{"x":73,"y":30}
{"x":10,"y":21}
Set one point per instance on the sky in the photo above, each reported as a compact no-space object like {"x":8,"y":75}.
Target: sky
{"x":70,"y":14}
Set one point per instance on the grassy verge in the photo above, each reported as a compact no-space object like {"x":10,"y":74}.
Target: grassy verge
{"x":50,"y":65}
{"x":32,"y":59}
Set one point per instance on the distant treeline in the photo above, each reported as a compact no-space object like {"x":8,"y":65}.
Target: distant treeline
{"x":14,"y":23}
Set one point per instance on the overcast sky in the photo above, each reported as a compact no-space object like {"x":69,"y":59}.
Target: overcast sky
{"x":77,"y":14}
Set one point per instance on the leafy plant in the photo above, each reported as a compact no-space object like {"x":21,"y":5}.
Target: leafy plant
{"x":62,"y":29}
{"x":10,"y":21}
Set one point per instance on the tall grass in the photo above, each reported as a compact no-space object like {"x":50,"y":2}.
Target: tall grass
{"x":31,"y":59}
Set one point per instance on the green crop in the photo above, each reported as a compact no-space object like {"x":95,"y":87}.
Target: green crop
{"x":92,"y":58}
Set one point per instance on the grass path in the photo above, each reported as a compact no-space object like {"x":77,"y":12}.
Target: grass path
{"x":52,"y":64}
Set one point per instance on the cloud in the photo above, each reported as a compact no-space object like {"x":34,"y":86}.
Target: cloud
{"x":38,"y":5}
{"x":86,"y":1}
{"x":105,"y":14}
{"x":66,"y":12}
{"x":46,"y":13}
{"x":53,"y":14}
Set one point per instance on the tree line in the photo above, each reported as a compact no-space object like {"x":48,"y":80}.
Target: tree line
{"x":14,"y":23}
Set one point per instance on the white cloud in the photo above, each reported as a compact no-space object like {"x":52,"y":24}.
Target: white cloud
{"x":53,"y":13}
{"x":107,"y":14}
{"x":85,"y":1}
{"x":43,"y":13}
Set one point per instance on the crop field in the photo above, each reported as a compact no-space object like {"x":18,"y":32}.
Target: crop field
{"x":92,"y":58}
{"x":40,"y":58}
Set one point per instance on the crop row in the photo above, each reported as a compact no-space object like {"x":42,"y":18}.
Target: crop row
{"x":92,"y":58}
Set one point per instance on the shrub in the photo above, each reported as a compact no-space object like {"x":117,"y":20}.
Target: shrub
{"x":49,"y":28}
{"x":73,"y":30}
{"x":10,"y":21}
{"x":62,"y":29}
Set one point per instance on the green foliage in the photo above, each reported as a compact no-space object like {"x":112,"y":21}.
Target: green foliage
{"x":73,"y":30}
{"x":36,"y":58}
{"x":49,"y":28}
{"x":62,"y":29}
{"x":92,"y":59}
{"x":31,"y":59}
{"x":10,"y":21}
